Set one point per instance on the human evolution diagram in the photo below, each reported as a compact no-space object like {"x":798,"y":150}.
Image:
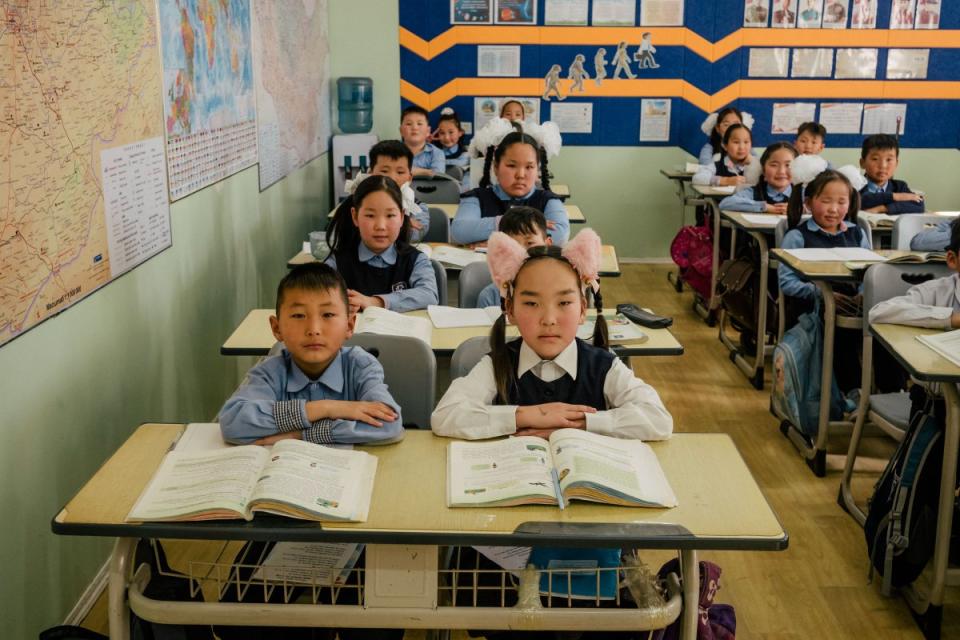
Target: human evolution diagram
{"x":643,"y":56}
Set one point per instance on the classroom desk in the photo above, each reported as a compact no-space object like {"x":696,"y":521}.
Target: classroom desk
{"x":709,"y":197}
{"x":574,"y":213}
{"x":925,"y":364}
{"x":609,"y":263}
{"x":561,"y":190}
{"x":823,"y":274}
{"x":680,"y":180}
{"x":720,"y":507}
{"x":254,"y":338}
{"x":760,"y":233}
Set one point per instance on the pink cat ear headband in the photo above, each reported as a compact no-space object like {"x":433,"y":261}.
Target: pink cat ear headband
{"x":505,"y":256}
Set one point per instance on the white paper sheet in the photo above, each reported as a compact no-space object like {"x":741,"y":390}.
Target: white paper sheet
{"x":902,"y":14}
{"x":390,"y":323}
{"x":856,"y":63}
{"x":756,"y":13}
{"x":614,"y":13}
{"x":512,"y":559}
{"x":783,"y":15}
{"x":457,"y":256}
{"x":835,"y":14}
{"x":836,"y":254}
{"x":663,"y":13}
{"x":498,"y":61}
{"x":320,"y":563}
{"x":655,"y":120}
{"x":565,"y":12}
{"x":763,"y":219}
{"x":947,"y":344}
{"x":841,"y":117}
{"x":928,"y":14}
{"x":201,"y":436}
{"x":809,"y":14}
{"x":573,"y":117}
{"x":453,"y":317}
{"x":812,"y":63}
{"x":907,"y":64}
{"x":788,"y":116}
{"x":882,"y":118}
{"x":769,"y":63}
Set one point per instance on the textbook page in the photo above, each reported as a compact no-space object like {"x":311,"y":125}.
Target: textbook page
{"x":390,"y":323}
{"x":201,"y":485}
{"x":513,"y":559}
{"x":457,"y":256}
{"x":500,"y":473}
{"x":947,"y":344}
{"x":319,"y":563}
{"x":836,"y":254}
{"x":619,"y":329}
{"x":305,"y":480}
{"x":612,"y":470}
{"x":453,"y":317}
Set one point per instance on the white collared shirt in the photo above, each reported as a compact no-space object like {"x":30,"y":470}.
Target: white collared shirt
{"x":928,"y":304}
{"x":467,"y":411}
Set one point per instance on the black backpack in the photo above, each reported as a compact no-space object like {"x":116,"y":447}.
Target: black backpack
{"x":901,"y":519}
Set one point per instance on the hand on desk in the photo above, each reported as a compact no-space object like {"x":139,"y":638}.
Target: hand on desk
{"x":541,"y":419}
{"x":780,"y":208}
{"x":731,"y":181}
{"x":358,"y":410}
{"x":907,"y":197}
{"x":359,"y":302}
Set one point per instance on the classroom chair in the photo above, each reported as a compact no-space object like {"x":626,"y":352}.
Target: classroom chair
{"x":473,"y":278}
{"x":441,"y":273}
{"x":410,"y":371}
{"x":439,"y":230}
{"x":888,"y":411}
{"x":467,"y":355}
{"x":455,"y":172}
{"x":440,"y":189}
{"x":909,"y":225}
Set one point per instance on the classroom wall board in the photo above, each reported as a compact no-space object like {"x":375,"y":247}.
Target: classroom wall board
{"x":701,"y":64}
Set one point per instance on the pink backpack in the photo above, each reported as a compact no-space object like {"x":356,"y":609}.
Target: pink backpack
{"x":692,"y":250}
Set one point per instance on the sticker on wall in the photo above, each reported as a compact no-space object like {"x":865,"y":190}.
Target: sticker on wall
{"x":655,"y":120}
{"x":568,"y":13}
{"x":768,"y":63}
{"x":784,"y":14}
{"x":498,"y":61}
{"x":516,"y":12}
{"x":622,"y":61}
{"x":614,"y":13}
{"x":863,"y":14}
{"x":928,"y":14}
{"x":471,"y":12}
{"x":755,"y":13}
{"x":835,"y":14}
{"x":884,"y":118}
{"x":661,"y":13}
{"x":907,"y":64}
{"x":576,"y":73}
{"x":901,"y":14}
{"x":788,"y":116}
{"x":551,"y":84}
{"x":600,"y":66}
{"x":841,"y":117}
{"x":810,"y":14}
{"x":856,"y":64}
{"x":573,"y":117}
{"x":644,"y":55}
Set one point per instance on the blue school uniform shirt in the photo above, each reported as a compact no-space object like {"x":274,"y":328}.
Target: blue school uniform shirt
{"x":422,"y":215}
{"x":936,"y":238}
{"x":273,"y":398}
{"x":791,"y":284}
{"x":743,"y":200}
{"x":489,"y":297}
{"x":423,"y":281}
{"x":706,"y":154}
{"x":457,"y":156}
{"x":470,"y":226}
{"x":430,"y":158}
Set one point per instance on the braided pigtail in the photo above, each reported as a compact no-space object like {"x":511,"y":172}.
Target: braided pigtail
{"x":487,"y":161}
{"x":601,"y":334}
{"x":503,"y":372}
{"x":795,"y":207}
{"x":544,"y":173}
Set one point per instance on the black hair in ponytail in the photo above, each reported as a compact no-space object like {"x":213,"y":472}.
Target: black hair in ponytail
{"x":714,"y":136}
{"x":813,"y":189}
{"x":343,"y":235}
{"x":493,"y":156}
{"x":760,"y":190}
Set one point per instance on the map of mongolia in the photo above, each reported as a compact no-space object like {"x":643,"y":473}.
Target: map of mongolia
{"x":77,"y":78}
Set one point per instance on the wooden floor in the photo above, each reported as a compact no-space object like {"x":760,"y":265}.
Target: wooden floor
{"x":818,"y":587}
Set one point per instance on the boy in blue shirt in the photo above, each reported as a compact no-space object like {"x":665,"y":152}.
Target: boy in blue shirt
{"x":393,"y":159}
{"x":879,"y":157}
{"x":428,"y":160}
{"x":316,"y":389}
{"x":528,"y":227}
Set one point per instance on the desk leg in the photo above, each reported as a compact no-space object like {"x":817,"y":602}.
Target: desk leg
{"x":715,"y":261}
{"x":673,"y":277}
{"x":118,"y":613}
{"x":754,"y":370}
{"x":690,"y":569}
{"x":948,"y":478}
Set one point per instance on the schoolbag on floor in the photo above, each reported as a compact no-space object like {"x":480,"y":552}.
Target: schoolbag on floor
{"x":901,"y":522}
{"x":738,"y":287}
{"x":714,"y":621}
{"x":692,"y":251}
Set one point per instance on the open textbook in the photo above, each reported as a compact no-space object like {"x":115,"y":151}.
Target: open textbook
{"x":947,"y":344}
{"x":619,"y":329}
{"x":296,"y":479}
{"x":572,"y":464}
{"x":390,"y":323}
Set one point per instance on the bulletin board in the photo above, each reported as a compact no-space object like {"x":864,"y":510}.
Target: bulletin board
{"x":472,"y":53}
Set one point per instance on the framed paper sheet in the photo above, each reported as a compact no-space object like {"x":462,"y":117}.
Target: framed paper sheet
{"x":756,"y":13}
{"x":812,"y":63}
{"x":856,"y":63}
{"x":769,"y":63}
{"x":471,"y":12}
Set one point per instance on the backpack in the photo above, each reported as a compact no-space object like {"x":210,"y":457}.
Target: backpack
{"x":901,"y":522}
{"x":797,"y":358}
{"x":738,"y":287}
{"x":692,"y":251}
{"x":715,"y":621}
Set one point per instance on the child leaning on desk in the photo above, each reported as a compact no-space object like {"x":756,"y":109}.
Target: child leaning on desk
{"x":770,"y":178}
{"x":879,"y":158}
{"x":548,"y":379}
{"x":715,"y":125}
{"x":393,"y":159}
{"x":428,"y":160}
{"x":728,"y":169}
{"x":369,"y":246}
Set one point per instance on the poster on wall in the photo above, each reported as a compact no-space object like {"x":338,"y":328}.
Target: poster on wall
{"x":810,"y":14}
{"x":863,"y":14}
{"x":573,"y":117}
{"x":835,"y":14}
{"x":812,"y":63}
{"x":655,"y":120}
{"x":856,"y":64}
{"x":614,"y":13}
{"x":661,"y":13}
{"x":841,"y":117}
{"x":566,"y":12}
{"x":768,"y":63}
{"x":487,"y":108}
{"x":928,"y":14}
{"x":498,"y":61}
{"x":755,"y":13}
{"x":907,"y":64}
{"x":901,"y":14}
{"x":516,"y":12}
{"x":784,"y":14}
{"x":788,"y":116}
{"x":471,"y":12}
{"x":884,"y":118}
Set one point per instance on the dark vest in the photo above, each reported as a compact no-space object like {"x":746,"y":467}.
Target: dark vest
{"x":592,"y":367}
{"x":372,"y":281}
{"x":760,"y":195}
{"x":723,"y":171}
{"x":491,"y":206}
{"x":820,"y":240}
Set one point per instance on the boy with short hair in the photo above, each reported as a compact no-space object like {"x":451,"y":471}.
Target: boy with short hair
{"x":934,"y":303}
{"x":526,"y":225}
{"x":393,"y":159}
{"x":315,"y":389}
{"x":879,"y":157}
{"x":811,"y":138}
{"x":428,"y":160}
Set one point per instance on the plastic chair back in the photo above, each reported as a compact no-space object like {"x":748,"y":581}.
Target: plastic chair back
{"x":884,"y":281}
{"x":473,"y":278}
{"x":908,"y":225}
{"x":439,"y":230}
{"x":441,"y":273}
{"x":441,"y":189}
{"x":410,"y":371}
{"x":467,"y":355}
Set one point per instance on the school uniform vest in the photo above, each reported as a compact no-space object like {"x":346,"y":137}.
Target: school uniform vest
{"x":371,"y":281}
{"x":723,"y":171}
{"x":760,"y":195}
{"x":491,"y":206}
{"x":455,"y":152}
{"x":852,"y":237}
{"x":592,"y":367}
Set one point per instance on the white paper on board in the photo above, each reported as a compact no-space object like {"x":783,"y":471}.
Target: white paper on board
{"x":835,"y":14}
{"x":565,"y":12}
{"x":863,"y":14}
{"x":812,"y":63}
{"x":614,"y":13}
{"x":907,"y":64}
{"x":856,"y":63}
{"x":498,"y":61}
{"x":768,"y":63}
{"x":661,"y":13}
{"x":756,"y":13}
{"x":784,"y":14}
{"x":788,"y":116}
{"x":655,"y":120}
{"x":928,"y":14}
{"x":882,"y":118}
{"x":572,"y":117}
{"x":901,"y":14}
{"x":809,"y":14}
{"x":841,"y":117}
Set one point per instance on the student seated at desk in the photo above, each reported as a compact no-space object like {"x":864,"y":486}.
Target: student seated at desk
{"x":513,"y":111}
{"x":369,"y":247}
{"x":517,"y":159}
{"x":770,"y":178}
{"x":449,"y":135}
{"x":415,"y":133}
{"x":811,"y":140}
{"x":392,"y":158}
{"x":934,"y":303}
{"x":715,"y":125}
{"x":879,"y":157}
{"x":935,"y":238}
{"x":528,"y":228}
{"x":728,"y":167}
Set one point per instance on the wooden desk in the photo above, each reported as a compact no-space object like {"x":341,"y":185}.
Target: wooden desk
{"x":925,"y":364}
{"x":720,"y":507}
{"x":680,"y":180}
{"x":561,"y":190}
{"x":574,"y":213}
{"x":254,"y":338}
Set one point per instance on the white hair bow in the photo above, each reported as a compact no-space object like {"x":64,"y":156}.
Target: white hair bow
{"x":547,"y":136}
{"x":852,"y":173}
{"x":805,"y":168}
{"x":407,"y":194}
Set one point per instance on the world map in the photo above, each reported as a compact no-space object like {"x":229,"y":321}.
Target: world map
{"x":293,"y":84}
{"x":77,"y":78}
